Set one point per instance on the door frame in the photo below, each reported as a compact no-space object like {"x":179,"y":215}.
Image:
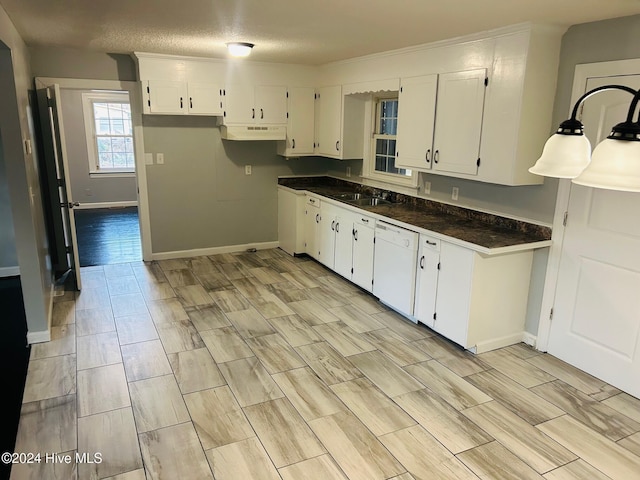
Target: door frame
{"x":135,"y":99}
{"x":582,"y":73}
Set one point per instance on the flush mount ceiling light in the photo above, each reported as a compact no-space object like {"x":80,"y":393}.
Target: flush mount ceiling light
{"x":615,"y":162}
{"x":239,"y":49}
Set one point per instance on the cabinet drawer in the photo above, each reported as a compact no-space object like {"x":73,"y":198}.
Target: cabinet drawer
{"x":429,"y":243}
{"x":364,"y":221}
{"x":313,"y":201}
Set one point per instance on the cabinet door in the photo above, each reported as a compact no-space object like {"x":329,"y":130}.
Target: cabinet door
{"x":329,"y":120}
{"x":204,"y":99}
{"x":454,"y":292}
{"x":343,"y":256}
{"x":427,"y":280}
{"x":271,"y":105}
{"x":239,"y":105}
{"x":459,"y":121}
{"x":363,"y":233}
{"x":416,"y":119}
{"x":327,"y":236}
{"x":311,"y":227}
{"x":300,"y":122}
{"x":167,"y":97}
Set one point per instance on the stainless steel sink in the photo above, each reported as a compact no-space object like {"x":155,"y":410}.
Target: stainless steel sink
{"x":347,"y":197}
{"x":370,"y":202}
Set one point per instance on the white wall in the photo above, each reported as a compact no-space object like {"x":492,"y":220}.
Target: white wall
{"x":16,"y":127}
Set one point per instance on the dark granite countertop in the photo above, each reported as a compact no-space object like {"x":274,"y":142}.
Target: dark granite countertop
{"x":485,"y":230}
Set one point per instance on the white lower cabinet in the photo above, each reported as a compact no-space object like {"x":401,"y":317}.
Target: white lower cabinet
{"x":312,"y":226}
{"x":291,"y":214}
{"x":327,"y":234}
{"x":427,"y":280}
{"x":363,"y":251}
{"x":481,"y":300}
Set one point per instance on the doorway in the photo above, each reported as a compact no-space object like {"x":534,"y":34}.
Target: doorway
{"x":105,"y":169}
{"x":596,"y":273}
{"x":108,"y":235}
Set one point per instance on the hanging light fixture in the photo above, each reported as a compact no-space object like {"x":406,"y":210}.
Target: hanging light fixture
{"x":239,"y":49}
{"x":615,"y":162}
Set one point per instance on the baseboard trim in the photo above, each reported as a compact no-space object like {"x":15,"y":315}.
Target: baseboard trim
{"x":530,"y":339}
{"x":87,"y":206}
{"x":9,"y":271}
{"x":38,"y":337}
{"x":198,"y":252}
{"x":495,"y":343}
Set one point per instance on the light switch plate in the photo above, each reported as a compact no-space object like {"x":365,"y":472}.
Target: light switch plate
{"x":160,"y":158}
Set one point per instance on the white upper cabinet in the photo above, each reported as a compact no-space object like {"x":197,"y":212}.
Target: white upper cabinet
{"x":339,"y":124}
{"x":181,"y":98}
{"x":300,"y":123}
{"x":456,"y":140}
{"x":246,"y":104}
{"x":440,"y":121}
{"x":416,"y":120}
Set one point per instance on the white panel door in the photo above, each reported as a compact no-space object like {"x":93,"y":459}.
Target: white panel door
{"x":329,"y":120}
{"x":343,"y":256}
{"x":363,"y":251}
{"x":300,"y":126}
{"x":271,"y":105}
{"x":596,"y":321}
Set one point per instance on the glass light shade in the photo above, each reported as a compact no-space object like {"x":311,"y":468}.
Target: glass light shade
{"x":239,"y":49}
{"x":615,"y":165}
{"x":563,"y":156}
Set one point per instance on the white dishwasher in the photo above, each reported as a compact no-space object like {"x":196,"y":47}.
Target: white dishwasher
{"x":394,"y":266}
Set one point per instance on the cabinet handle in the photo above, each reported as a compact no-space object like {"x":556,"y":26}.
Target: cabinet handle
{"x":253,"y":113}
{"x":355,"y":235}
{"x":293,"y":143}
{"x":312,"y":200}
{"x":431,"y":243}
{"x":261,"y":114}
{"x":422,"y":262}
{"x":180,"y":102}
{"x":436,"y":156}
{"x":317,"y":218}
{"x":338,"y":145}
{"x":338,"y":227}
{"x":364,"y":220}
{"x":427,"y":157}
{"x":333,"y":225}
{"x":190,"y":102}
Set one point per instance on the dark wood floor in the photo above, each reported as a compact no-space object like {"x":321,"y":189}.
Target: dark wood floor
{"x":108,"y":235}
{"x":14,"y":355}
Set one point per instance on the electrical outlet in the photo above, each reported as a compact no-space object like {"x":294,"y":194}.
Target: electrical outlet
{"x":348,"y":171}
{"x":160,"y":158}
{"x":88,"y":192}
{"x":454,"y":193}
{"x":427,"y":187}
{"x":247,"y":169}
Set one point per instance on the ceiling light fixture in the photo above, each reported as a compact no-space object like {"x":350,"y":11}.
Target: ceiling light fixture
{"x":615,"y":162}
{"x":239,"y":49}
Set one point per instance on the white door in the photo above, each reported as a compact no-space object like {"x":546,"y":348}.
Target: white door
{"x":330,"y":120}
{"x":343,"y":256}
{"x":596,"y":321}
{"x":300,"y":127}
{"x":271,"y":105}
{"x":239,"y":105}
{"x":363,"y":251}
{"x":427,"y":280}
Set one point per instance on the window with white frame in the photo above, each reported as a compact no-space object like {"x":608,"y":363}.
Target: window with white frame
{"x":107,"y":119}
{"x":382,"y":162}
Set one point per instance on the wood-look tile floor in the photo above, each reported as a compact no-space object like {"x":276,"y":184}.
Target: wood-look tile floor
{"x":264,"y":366}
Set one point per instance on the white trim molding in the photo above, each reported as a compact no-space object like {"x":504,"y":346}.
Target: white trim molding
{"x":530,"y":339}
{"x":9,"y":271}
{"x":198,"y":252}
{"x":40,"y":336}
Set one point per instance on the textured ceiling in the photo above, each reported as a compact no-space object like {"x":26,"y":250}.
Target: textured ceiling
{"x":289,"y":31}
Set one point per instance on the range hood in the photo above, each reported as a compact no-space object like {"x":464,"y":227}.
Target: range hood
{"x":253,"y":132}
